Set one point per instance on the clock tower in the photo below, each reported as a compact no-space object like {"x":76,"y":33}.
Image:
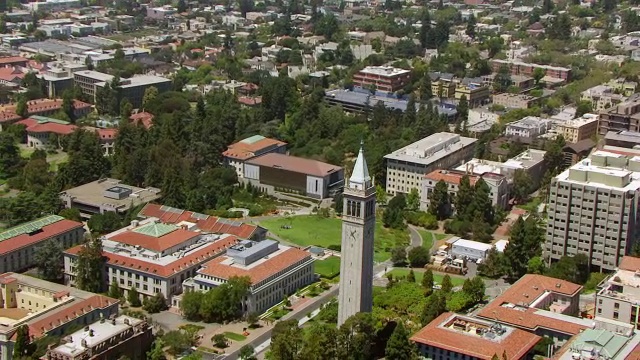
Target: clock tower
{"x":358,"y":225}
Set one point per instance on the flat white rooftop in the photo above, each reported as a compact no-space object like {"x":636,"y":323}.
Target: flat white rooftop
{"x":384,"y":70}
{"x":470,"y":244}
{"x":431,"y":149}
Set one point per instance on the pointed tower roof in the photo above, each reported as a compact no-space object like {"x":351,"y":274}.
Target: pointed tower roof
{"x":360,"y":178}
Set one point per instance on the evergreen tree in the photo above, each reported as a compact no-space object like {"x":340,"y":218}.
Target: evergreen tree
{"x":21,"y":107}
{"x":427,"y":281}
{"x":150,"y":95}
{"x":409,"y":118}
{"x":547,"y":6}
{"x":50,"y":261}
{"x":440,"y":203}
{"x":133,"y":297}
{"x":356,"y":337}
{"x":447,"y":285}
{"x":320,"y":342}
{"x":21,"y":346}
{"x":435,"y":305}
{"x":502,"y":80}
{"x":560,"y":28}
{"x":182,"y":6}
{"x":90,"y":271}
{"x":471,"y":26}
{"x":125,"y":109}
{"x":10,"y":158}
{"x":286,"y":340}
{"x":464,"y":196}
{"x":114,"y":290}
{"x":426,"y":93}
{"x":399,"y":347}
{"x":492,"y":266}
{"x":411,"y":277}
{"x":67,"y":105}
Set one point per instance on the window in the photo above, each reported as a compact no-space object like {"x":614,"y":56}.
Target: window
{"x":615,"y":315}
{"x":616,"y":305}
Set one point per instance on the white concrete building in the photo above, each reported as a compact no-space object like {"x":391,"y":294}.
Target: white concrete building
{"x":529,"y":127}
{"x":246,"y":149}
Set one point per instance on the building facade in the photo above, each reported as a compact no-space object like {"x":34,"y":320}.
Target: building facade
{"x":132,"y":88}
{"x":358,"y":226}
{"x":575,"y":130}
{"x":275,"y":271}
{"x":515,"y":101}
{"x":407,"y":166}
{"x":619,"y":297}
{"x":529,"y":127}
{"x":382,"y":78}
{"x":237,"y":153}
{"x":18,"y":244}
{"x":593,"y":209}
{"x":498,"y":186}
{"x":621,"y":117}
{"x":275,"y":171}
{"x":527,"y":69}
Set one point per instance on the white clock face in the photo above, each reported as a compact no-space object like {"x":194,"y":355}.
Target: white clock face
{"x":354,"y":234}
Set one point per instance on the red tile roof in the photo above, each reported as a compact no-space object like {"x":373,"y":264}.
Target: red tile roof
{"x":450,"y":176}
{"x":209,"y":224}
{"x":144,"y":118}
{"x":629,"y":263}
{"x":243,"y":151}
{"x":634,"y":354}
{"x":197,"y":257}
{"x":160,"y":243}
{"x":524,"y":291}
{"x":76,"y":309}
{"x":12,"y":60}
{"x":258,"y":273}
{"x":47,"y":232}
{"x":107,"y":134}
{"x":9,"y":116}
{"x":49,"y":127}
{"x":39,"y":106}
{"x":294,"y":164}
{"x":11,"y":74}
{"x":516,"y":345}
{"x":250,"y":101}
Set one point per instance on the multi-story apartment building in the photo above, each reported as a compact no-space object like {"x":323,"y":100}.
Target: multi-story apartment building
{"x":498,"y":186}
{"x":623,"y":139}
{"x":237,"y":153}
{"x":515,"y":101}
{"x":476,"y":93}
{"x":593,"y":209}
{"x":132,"y":88}
{"x":540,"y":305}
{"x":275,"y":271}
{"x":529,"y":127}
{"x":18,"y":244}
{"x":383,"y":78}
{"x":407,"y":166}
{"x":452,"y":336}
{"x":602,"y":97}
{"x":527,"y":69}
{"x":153,"y":257}
{"x":619,"y":297}
{"x":443,"y":85}
{"x":48,"y":309}
{"x":624,"y":116}
{"x":574,"y":130}
{"x":114,"y":338}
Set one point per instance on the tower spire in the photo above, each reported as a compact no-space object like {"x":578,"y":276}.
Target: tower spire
{"x":360,"y":178}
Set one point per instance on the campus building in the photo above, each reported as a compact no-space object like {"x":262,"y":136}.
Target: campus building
{"x":100,"y":196}
{"x":624,"y":116}
{"x":275,"y":271}
{"x":575,"y":130}
{"x":623,"y":139}
{"x":40,"y":130}
{"x":48,"y":107}
{"x":528,"y":69}
{"x":593,"y":209}
{"x":279,"y":172}
{"x":619,"y":297}
{"x":132,"y":88}
{"x":530,"y":161}
{"x":407,"y":166}
{"x":18,"y":244}
{"x":48,"y":309}
{"x":476,"y":93}
{"x":529,"y":127}
{"x":382,"y":78}
{"x":515,"y":101}
{"x":498,"y":186}
{"x":237,"y":153}
{"x":601,"y":344}
{"x":540,"y":305}
{"x":452,"y":336}
{"x":113,"y":338}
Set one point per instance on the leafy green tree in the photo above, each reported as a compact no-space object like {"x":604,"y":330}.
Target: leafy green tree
{"x":471,"y":27}
{"x":502,"y":80}
{"x":329,"y":26}
{"x":21,"y":107}
{"x":50,"y":261}
{"x":21,"y":346}
{"x":155,"y":304}
{"x":286,"y":340}
{"x":413,"y":200}
{"x":381,"y":195}
{"x":177,"y":341}
{"x":182,"y":6}
{"x":399,"y":347}
{"x":440,"y":202}
{"x":536,"y":265}
{"x":399,"y":255}
{"x":538,"y":74}
{"x":560,"y":28}
{"x":36,"y":176}
{"x":156,"y":352}
{"x":338,"y":204}
{"x":447,"y":285}
{"x":525,"y":242}
{"x":320,"y":342}
{"x":583,"y":107}
{"x":247,"y":352}
{"x":90,"y":271}
{"x":464,"y":196}
{"x":114,"y":290}
{"x":125,"y":108}
{"x":522,"y":186}
{"x":70,"y":214}
{"x":105,"y":223}
{"x":190,"y":305}
{"x":427,"y":281}
{"x":474,"y":288}
{"x":418,"y":256}
{"x":133,"y":297}
{"x":492,"y":266}
{"x":67,"y":105}
{"x":435,"y":305}
{"x":149,"y":96}
{"x":356,"y":337}
{"x":571,"y":268}
{"x":9,"y":155}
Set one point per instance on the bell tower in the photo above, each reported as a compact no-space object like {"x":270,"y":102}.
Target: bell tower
{"x":358,"y":225}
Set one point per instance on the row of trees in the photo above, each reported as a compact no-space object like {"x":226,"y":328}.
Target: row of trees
{"x":220,"y":304}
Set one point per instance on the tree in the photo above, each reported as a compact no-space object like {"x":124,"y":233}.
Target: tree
{"x":190,"y":305}
{"x":560,"y":28}
{"x":156,"y":352}
{"x":474,"y":288}
{"x":435,"y":305}
{"x":320,"y":342}
{"x":583,"y":107}
{"x":538,"y":74}
{"x":328,"y":25}
{"x":447,"y":285}
{"x":89,"y":272}
{"x":426,"y":92}
{"x":247,"y":352}
{"x":547,"y":6}
{"x":398,"y":255}
{"x":502,"y":80}
{"x":413,"y":200}
{"x":338,"y":203}
{"x":522,"y":185}
{"x":155,"y":304}
{"x":149,"y":96}
{"x":464,"y":196}
{"x":471,"y":27}
{"x":177,"y":341}
{"x":463,"y":109}
{"x":220,"y":341}
{"x":125,"y":109}
{"x":427,"y":281}
{"x":492,"y":266}
{"x":182,"y":6}
{"x":105,"y":223}
{"x":67,"y":105}
{"x":286,"y":340}
{"x":9,"y":155}
{"x":399,"y":347}
{"x":70,"y":214}
{"x":21,"y":346}
{"x":21,"y":107}
{"x":571,"y":268}
{"x":356,"y":337}
{"x":418,"y":256}
{"x":133,"y":297}
{"x":525,"y":240}
{"x":440,"y":202}
{"x":50,"y":261}
{"x":411,"y":277}
{"x":114,"y":290}
{"x":536,"y":265}
{"x":381,"y":195}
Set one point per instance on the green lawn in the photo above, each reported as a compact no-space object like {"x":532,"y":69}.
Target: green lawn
{"x":427,"y":238}
{"x":234,"y":336}
{"x":532,"y":205}
{"x":437,"y":278}
{"x":329,"y":267}
{"x":314,"y":230}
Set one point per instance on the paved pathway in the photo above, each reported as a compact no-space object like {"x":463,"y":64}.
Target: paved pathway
{"x":415,"y":237}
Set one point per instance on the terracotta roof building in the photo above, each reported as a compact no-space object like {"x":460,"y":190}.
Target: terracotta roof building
{"x":453,"y":336}
{"x":274,"y":270}
{"x":202,"y":222}
{"x":144,"y":118}
{"x":39,"y":130}
{"x":11,"y":61}
{"x":153,"y":257}
{"x":237,"y":153}
{"x":541,"y":305}
{"x":305,"y":176}
{"x":46,"y":308}
{"x":18,"y":244}
{"x":48,"y":107}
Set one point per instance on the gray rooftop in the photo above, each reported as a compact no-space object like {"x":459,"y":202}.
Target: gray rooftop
{"x":359,"y":98}
{"x":529,"y":122}
{"x":93,"y":194}
{"x":432,"y":148}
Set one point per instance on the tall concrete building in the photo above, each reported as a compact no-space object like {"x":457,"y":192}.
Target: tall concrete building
{"x":593,"y":209}
{"x":358,"y":224}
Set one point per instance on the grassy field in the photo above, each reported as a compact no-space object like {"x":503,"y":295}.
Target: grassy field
{"x":314,"y":230}
{"x":437,"y":278}
{"x":234,"y":336}
{"x":329,"y":267}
